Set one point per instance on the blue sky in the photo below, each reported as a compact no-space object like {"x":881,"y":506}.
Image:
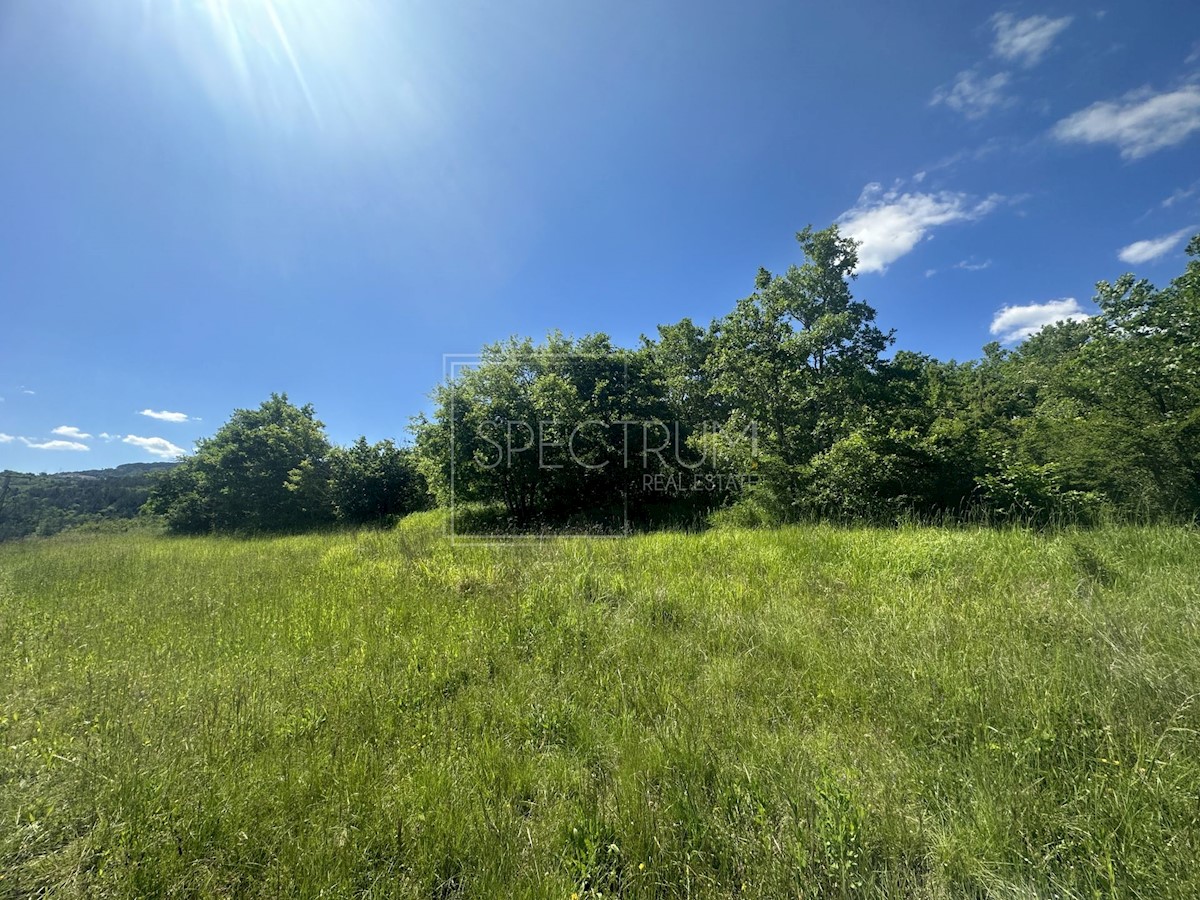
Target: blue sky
{"x":204,"y":202}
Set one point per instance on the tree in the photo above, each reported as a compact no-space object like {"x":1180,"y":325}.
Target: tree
{"x":1111,"y":403}
{"x":374,"y":482}
{"x":568,"y":428}
{"x":266,"y":469}
{"x":1082,"y":416}
{"x":678,"y":363}
{"x":796,"y":356}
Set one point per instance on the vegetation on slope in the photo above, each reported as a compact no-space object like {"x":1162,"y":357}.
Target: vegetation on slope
{"x":801,"y":712}
{"x":47,"y":504}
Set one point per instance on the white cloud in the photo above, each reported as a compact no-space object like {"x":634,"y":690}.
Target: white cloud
{"x":1139,"y":123}
{"x":1026,"y":41}
{"x":973,"y":95}
{"x":890,"y":224}
{"x":1185,"y":193}
{"x":70,"y":431}
{"x":6,"y":438}
{"x":1152,"y":249}
{"x":28,"y":391}
{"x":155,"y":446}
{"x":1015,"y":323}
{"x":969,"y":265}
{"x":165,"y":416}
{"x":54,"y":445}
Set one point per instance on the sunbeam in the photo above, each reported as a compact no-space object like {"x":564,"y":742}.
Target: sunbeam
{"x":286,"y":45}
{"x":332,"y":65}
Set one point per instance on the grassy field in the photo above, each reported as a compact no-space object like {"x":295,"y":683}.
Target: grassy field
{"x":803,"y":712}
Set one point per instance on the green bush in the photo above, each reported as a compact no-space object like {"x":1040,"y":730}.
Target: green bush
{"x":1036,"y":495}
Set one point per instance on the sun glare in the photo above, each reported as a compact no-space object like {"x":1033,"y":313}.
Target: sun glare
{"x":285,"y":62}
{"x":260,"y":48}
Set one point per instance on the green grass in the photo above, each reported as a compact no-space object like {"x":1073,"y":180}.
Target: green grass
{"x":803,"y":712}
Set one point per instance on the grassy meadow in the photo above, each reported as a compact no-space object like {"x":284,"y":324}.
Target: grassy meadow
{"x":801,"y":712}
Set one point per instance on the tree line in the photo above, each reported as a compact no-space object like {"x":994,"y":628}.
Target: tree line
{"x":273,"y":469}
{"x":791,"y":407}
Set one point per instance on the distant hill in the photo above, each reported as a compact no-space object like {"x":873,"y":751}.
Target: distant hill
{"x":47,"y":504}
{"x":127,"y":470}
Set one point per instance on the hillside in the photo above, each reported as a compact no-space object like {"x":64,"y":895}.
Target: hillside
{"x":47,"y":504}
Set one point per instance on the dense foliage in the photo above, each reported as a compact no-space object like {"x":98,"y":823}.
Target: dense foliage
{"x":546,"y":430}
{"x":47,"y":504}
{"x":788,"y":409}
{"x":273,"y":469}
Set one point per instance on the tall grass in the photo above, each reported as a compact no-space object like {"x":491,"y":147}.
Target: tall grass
{"x":801,"y":712}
